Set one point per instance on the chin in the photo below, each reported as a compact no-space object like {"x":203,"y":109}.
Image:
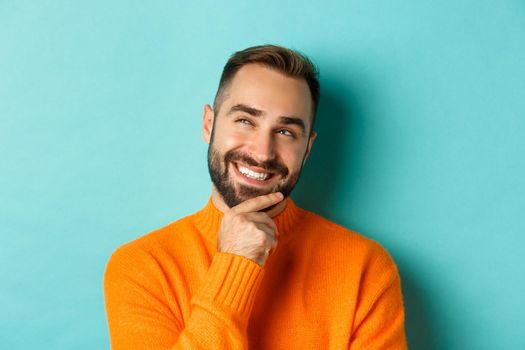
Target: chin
{"x":247,"y":192}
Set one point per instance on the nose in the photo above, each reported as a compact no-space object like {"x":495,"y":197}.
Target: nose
{"x":262,"y":147}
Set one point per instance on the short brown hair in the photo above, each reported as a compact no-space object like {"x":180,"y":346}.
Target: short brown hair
{"x":284,"y":60}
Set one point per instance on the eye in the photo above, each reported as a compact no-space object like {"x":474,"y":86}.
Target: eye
{"x":243,"y":121}
{"x":286,"y":132}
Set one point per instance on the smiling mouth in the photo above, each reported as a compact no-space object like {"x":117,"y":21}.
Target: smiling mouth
{"x":258,"y":175}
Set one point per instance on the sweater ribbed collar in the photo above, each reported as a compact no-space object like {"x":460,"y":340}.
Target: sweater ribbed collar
{"x":208,"y":219}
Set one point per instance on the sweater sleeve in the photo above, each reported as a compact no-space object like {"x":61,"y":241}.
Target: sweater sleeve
{"x":380,"y":315}
{"x":139,"y":316}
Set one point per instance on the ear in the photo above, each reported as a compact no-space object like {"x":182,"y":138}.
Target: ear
{"x":207,"y":123}
{"x":313,"y":136}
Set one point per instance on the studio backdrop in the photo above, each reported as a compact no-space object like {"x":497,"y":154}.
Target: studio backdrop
{"x":421,"y":147}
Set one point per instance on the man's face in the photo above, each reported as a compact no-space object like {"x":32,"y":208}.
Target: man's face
{"x":261,"y":136}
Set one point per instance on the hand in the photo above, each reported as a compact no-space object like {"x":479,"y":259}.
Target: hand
{"x":247,"y":232}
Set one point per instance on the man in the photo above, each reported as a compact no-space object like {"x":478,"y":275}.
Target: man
{"x":251,"y":269}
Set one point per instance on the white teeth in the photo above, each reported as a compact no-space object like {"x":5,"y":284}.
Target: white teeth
{"x":253,"y":174}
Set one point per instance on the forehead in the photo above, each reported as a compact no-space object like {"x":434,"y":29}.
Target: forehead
{"x":271,"y":91}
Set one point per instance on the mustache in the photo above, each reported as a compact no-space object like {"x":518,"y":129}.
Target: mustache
{"x":272,"y":165}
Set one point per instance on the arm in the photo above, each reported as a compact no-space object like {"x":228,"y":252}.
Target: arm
{"x":140,"y":301}
{"x":139,"y":316}
{"x":379,"y":322}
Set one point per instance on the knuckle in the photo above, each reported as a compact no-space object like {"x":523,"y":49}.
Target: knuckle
{"x":272,"y":242}
{"x":259,"y":236}
{"x":239,"y":219}
{"x":252,"y":225}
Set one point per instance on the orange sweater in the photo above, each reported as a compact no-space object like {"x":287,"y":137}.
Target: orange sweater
{"x":324,"y":287}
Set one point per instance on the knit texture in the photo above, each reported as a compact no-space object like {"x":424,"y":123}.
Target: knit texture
{"x":324,"y":287}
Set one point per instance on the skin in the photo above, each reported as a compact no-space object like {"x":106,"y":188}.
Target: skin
{"x":268,"y":130}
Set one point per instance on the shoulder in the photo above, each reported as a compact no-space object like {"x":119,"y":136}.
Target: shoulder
{"x":349,"y":245}
{"x":149,"y":250}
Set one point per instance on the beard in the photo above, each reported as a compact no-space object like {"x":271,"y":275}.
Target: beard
{"x":235,"y":193}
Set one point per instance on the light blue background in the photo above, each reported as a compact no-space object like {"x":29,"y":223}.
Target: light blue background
{"x":421,"y":147}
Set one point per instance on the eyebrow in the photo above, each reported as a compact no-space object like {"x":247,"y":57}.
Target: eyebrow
{"x":246,"y":109}
{"x":285,"y":120}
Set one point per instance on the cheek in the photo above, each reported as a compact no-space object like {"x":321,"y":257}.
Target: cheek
{"x":228,"y":139}
{"x":234,"y":139}
{"x":293,"y":158}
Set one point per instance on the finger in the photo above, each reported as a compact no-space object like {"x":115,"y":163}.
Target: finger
{"x":270,"y":242}
{"x":263,"y":218}
{"x":258,"y":203}
{"x":272,"y":247}
{"x":269,"y":230}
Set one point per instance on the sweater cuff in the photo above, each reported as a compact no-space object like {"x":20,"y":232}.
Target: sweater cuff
{"x":231,"y":282}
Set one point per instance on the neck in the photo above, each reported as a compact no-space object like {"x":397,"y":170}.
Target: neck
{"x":219,"y":203}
